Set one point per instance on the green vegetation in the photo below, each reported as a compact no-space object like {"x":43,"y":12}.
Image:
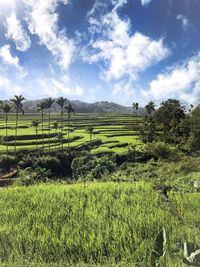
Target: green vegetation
{"x":99,"y":189}
{"x":95,"y":223}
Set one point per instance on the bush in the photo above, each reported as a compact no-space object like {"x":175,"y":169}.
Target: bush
{"x":92,"y":166}
{"x":161,"y":150}
{"x":7,"y":162}
{"x":29,"y":176}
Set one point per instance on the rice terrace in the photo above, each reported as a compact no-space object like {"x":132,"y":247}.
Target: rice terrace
{"x":99,"y":133}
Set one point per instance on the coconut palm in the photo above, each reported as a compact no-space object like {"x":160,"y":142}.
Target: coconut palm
{"x":136,"y":107}
{"x":90,"y":130}
{"x":36,"y":123}
{"x":48,"y":104}
{"x":55,"y":127}
{"x":41,"y":108}
{"x":150,"y":108}
{"x":6,"y":109}
{"x":70,"y":110}
{"x":61,"y":102}
{"x":17,"y":101}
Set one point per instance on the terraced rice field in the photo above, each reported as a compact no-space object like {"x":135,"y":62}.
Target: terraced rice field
{"x":114,"y":131}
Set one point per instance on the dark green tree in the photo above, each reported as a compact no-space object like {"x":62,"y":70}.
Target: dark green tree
{"x":6,"y":108}
{"x":150,"y":108}
{"x":70,"y":110}
{"x":36,"y":123}
{"x":90,"y":130}
{"x":41,"y":108}
{"x":61,"y":101}
{"x":18,"y":104}
{"x":48,"y":104}
{"x":169,"y":116}
{"x":135,"y":106}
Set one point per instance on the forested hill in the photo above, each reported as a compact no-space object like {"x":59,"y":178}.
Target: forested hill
{"x":83,"y":107}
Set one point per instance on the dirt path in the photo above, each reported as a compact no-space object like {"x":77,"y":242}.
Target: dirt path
{"x":7,"y":178}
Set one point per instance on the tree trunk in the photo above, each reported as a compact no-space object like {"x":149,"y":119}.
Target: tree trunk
{"x":42,"y":129}
{"x":7,"y":133}
{"x":68,"y":130}
{"x":16,"y":125}
{"x":49,"y":129}
{"x":36,"y":130}
{"x":61,"y":118}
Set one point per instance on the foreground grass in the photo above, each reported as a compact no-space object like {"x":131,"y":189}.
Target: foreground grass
{"x":94,"y":223}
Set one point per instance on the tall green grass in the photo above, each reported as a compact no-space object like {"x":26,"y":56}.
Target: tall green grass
{"x":92,"y":223}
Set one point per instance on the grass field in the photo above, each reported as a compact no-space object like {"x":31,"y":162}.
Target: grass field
{"x":115,"y":131}
{"x":105,"y":223}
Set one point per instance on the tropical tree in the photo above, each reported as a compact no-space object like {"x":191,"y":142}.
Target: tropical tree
{"x":135,"y":106}
{"x":48,"y":104}
{"x":61,"y":102}
{"x":150,"y":108}
{"x":6,"y":109}
{"x":70,"y":110}
{"x":18,"y":104}
{"x":36,"y":123}
{"x":169,"y":116}
{"x":90,"y":130}
{"x":41,"y":108}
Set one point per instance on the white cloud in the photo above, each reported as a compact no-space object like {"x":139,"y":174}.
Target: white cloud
{"x":118,"y":3}
{"x":125,"y":55}
{"x":181,"y":81}
{"x":9,"y":60}
{"x":184,"y":21}
{"x":15,"y":31}
{"x":145,"y":3}
{"x":54,"y":88}
{"x":9,"y":87}
{"x":43,"y":21}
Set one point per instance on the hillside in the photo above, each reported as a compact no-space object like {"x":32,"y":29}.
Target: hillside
{"x":84,"y":107}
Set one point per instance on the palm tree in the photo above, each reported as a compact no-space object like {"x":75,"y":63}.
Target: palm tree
{"x":61,"y":102}
{"x":6,"y":109}
{"x":17,"y":101}
{"x":69,"y":108}
{"x":41,"y":108}
{"x":150,"y":108}
{"x":35,"y":124}
{"x":90,"y":130}
{"x":55,"y":126}
{"x":48,"y":103}
{"x":136,"y":107}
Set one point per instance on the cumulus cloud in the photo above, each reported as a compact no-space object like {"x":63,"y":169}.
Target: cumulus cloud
{"x":56,"y":87}
{"x":145,"y":3}
{"x":184,"y":21}
{"x":8,"y":87}
{"x":11,"y":61}
{"x":43,"y":21}
{"x":124,"y":54}
{"x":15,"y":31}
{"x":118,"y":3}
{"x":181,"y":81}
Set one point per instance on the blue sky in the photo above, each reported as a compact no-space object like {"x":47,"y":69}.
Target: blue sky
{"x":92,"y":50}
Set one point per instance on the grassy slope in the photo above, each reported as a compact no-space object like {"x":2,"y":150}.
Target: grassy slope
{"x":93,"y":223}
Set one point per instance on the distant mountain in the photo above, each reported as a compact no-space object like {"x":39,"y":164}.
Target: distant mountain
{"x":83,"y":107}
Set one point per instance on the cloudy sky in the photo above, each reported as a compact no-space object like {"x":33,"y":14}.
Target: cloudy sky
{"x":92,"y":50}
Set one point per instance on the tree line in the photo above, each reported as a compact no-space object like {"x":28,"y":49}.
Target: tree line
{"x":45,"y":105}
{"x":173,"y":124}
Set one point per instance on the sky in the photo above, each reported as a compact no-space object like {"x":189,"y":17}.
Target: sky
{"x":122,"y":51}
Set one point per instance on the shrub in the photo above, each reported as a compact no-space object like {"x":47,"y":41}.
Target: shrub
{"x":161,"y":150}
{"x":7,"y":162}
{"x":92,"y":166}
{"x":29,"y":176}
